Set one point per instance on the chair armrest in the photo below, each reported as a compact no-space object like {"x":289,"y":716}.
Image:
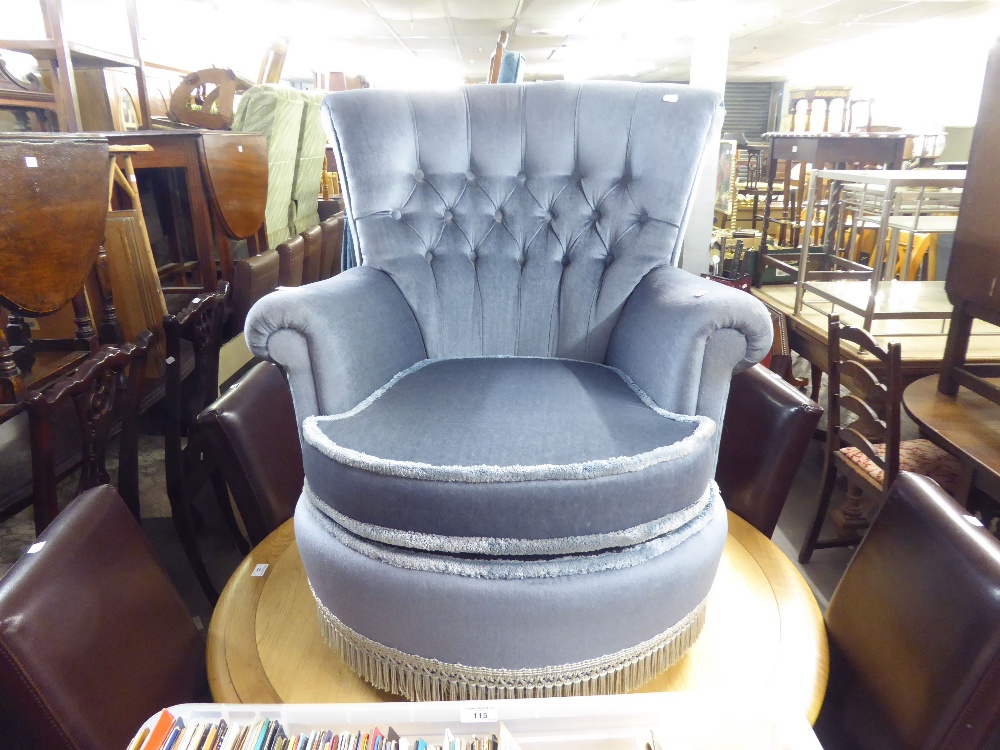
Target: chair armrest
{"x":337,"y":340}
{"x":681,"y":337}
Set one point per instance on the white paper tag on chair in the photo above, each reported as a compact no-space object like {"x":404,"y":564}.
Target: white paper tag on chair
{"x":670,"y":98}
{"x":36,"y":547}
{"x":974,"y":521}
{"x":259,"y":570}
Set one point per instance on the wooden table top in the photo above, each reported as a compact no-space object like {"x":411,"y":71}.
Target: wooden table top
{"x":764,"y":634}
{"x":966,"y":424}
{"x":922,"y":340}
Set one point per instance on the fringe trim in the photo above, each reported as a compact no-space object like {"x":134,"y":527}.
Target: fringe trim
{"x":356,"y":531}
{"x":421,"y":679}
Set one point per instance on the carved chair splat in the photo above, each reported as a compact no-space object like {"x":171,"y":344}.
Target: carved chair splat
{"x":105,"y":391}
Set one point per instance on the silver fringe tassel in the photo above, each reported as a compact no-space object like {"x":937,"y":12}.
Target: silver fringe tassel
{"x":422,"y":679}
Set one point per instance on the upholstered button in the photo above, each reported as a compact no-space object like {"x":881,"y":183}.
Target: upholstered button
{"x":429,"y":256}
{"x":396,"y":214}
{"x":498,"y":216}
{"x":609,"y":259}
{"x":448,"y":217}
{"x":576,"y":176}
{"x":473,"y":256}
{"x":643,"y":217}
{"x":521,"y":259}
{"x":549,"y":216}
{"x":565,"y":260}
{"x":419,"y":175}
{"x":470,"y":176}
{"x":522,"y":177}
{"x":596,"y":215}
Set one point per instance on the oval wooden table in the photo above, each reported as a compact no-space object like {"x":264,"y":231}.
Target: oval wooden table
{"x":966,"y":425}
{"x":763,"y":637}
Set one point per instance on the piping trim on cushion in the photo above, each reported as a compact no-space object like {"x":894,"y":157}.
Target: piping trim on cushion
{"x":496,"y":546}
{"x":420,"y":678}
{"x":516,"y":570}
{"x":485,"y":473}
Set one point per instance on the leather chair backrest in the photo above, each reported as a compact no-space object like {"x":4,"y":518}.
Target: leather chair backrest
{"x":291,"y":261}
{"x":915,"y":629}
{"x":94,"y":638}
{"x":253,"y":434}
{"x":253,"y":277}
{"x":312,"y":255}
{"x":517,"y":219}
{"x":333,"y":240}
{"x":766,"y":430}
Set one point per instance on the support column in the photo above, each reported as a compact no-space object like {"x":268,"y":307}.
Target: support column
{"x":709,"y":60}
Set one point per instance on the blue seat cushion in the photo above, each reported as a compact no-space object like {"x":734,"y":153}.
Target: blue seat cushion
{"x":508,"y":455}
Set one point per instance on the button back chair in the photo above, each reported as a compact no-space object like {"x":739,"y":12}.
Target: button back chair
{"x":914,"y":629}
{"x":508,"y":410}
{"x":867,"y":449}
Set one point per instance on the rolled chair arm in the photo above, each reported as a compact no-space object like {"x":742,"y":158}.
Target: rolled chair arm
{"x":681,"y":338}
{"x":337,"y":340}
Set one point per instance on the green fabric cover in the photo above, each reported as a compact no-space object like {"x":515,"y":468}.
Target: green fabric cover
{"x":277,"y":113}
{"x":309,"y":170}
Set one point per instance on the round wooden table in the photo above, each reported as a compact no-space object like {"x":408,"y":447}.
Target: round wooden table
{"x":764,"y":633}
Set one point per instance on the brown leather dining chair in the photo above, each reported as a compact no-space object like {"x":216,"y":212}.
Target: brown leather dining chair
{"x":914,"y":631}
{"x":291,"y":261}
{"x":765,"y":432}
{"x":252,"y":435}
{"x":94,"y":639}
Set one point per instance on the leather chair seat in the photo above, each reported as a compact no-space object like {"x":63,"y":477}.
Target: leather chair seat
{"x":487,"y":455}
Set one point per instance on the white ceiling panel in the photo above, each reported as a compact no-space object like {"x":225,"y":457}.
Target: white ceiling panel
{"x":431,"y":44}
{"x":473,"y":44}
{"x":527,"y":43}
{"x":421,"y":27}
{"x":549,"y":10}
{"x":406,"y":9}
{"x":483,"y":27}
{"x":916,"y":11}
{"x":481,"y":9}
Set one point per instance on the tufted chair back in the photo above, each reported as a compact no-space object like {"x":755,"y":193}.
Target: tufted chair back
{"x":517,"y":220}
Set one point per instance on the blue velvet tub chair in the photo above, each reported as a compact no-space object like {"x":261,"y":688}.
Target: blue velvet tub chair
{"x":508,"y":412}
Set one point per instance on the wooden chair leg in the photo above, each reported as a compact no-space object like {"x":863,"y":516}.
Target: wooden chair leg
{"x":221,"y":491}
{"x":180,"y":511}
{"x":851,"y":518}
{"x":816,"y":379}
{"x":809,"y":544}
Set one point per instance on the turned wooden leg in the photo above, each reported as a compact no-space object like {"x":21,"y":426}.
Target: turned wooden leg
{"x":86,"y":336}
{"x":11,"y":382}
{"x":851,"y":518}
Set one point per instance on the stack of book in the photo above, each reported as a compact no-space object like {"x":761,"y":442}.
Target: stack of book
{"x":170,"y":732}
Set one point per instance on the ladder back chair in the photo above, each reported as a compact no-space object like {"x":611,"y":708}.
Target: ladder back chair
{"x":866,"y":447}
